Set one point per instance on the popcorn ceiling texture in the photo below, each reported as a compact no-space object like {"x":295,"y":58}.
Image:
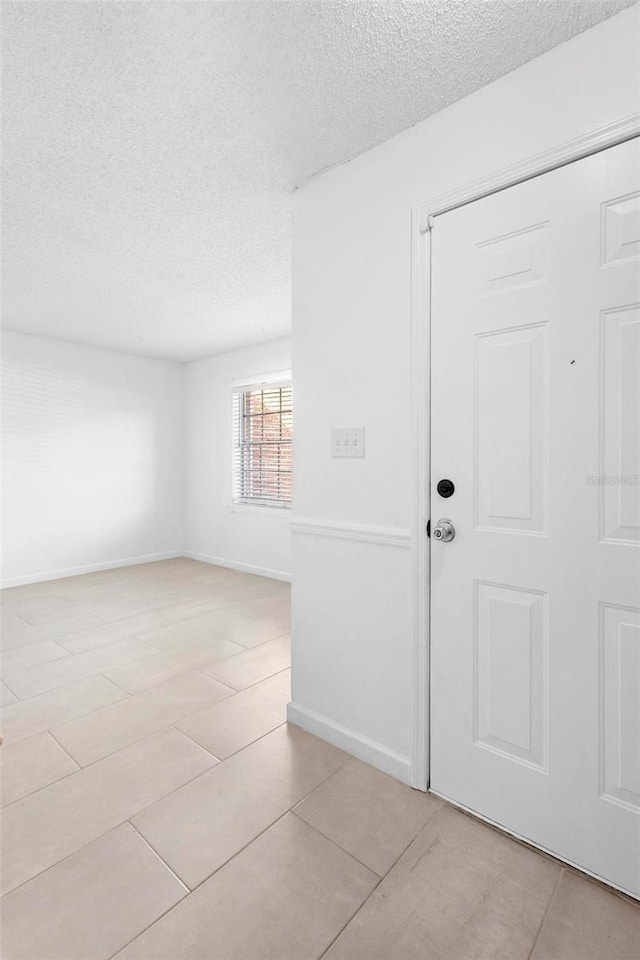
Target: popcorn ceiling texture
{"x":152,"y":147}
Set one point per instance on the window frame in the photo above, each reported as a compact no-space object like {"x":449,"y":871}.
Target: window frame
{"x":239,"y":503}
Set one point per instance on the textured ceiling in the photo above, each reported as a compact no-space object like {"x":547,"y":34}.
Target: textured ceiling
{"x":152,"y":147}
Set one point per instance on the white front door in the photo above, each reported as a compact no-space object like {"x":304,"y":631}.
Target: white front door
{"x":535,"y":605}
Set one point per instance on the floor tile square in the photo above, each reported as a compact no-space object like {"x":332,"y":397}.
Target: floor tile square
{"x":461,"y":891}
{"x":202,"y":825}
{"x":47,"y":826}
{"x":249,"y":667}
{"x":6,"y":697}
{"x":30,"y":765}
{"x":56,"y":629}
{"x":58,"y":673}
{"x":147,"y":672}
{"x":254,"y":632}
{"x":285,"y":897}
{"x":586,"y":921}
{"x":26,"y":717}
{"x":105,"y":731}
{"x":92,"y":904}
{"x":370,"y":815}
{"x":239,"y":720}
{"x":21,"y":658}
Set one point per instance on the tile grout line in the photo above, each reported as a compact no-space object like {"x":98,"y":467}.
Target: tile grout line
{"x":158,"y":919}
{"x":103,"y":622}
{"x":201,"y":774}
{"x":117,"y":685}
{"x":68,"y":856}
{"x":107,"y":756}
{"x":136,"y":634}
{"x":80,"y":653}
{"x":169,"y":726}
{"x":192,"y":890}
{"x":199,"y":669}
{"x":209,"y":676}
{"x":546,"y":911}
{"x":25,"y":646}
{"x":145,"y":736}
{"x":62,"y":747}
{"x":352,"y":917}
{"x":235,"y":752}
{"x":255,"y":646}
{"x":172,"y":726}
{"x":32,"y":793}
{"x":255,"y":682}
{"x":335,"y":843}
{"x":100,"y":835}
{"x":249,"y":686}
{"x":366,"y":900}
{"x":58,"y":638}
{"x":113,"y":753}
{"x":264,"y":830}
{"x":162,"y":861}
{"x":45,"y":693}
{"x":149,"y":611}
{"x":12,"y":692}
{"x":173,"y":645}
{"x":40,"y":663}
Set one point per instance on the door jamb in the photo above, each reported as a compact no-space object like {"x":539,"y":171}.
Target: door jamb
{"x":421,"y":223}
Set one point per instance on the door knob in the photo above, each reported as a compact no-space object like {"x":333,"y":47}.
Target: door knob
{"x":444,"y":531}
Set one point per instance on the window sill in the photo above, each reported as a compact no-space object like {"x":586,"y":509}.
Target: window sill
{"x":261,"y":509}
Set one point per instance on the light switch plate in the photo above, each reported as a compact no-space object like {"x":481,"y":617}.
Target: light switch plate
{"x":347,"y":442}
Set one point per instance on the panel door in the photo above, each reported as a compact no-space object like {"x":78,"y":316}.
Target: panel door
{"x":535,"y":605}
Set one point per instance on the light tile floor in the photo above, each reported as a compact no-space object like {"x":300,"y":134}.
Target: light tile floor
{"x":156,"y":805}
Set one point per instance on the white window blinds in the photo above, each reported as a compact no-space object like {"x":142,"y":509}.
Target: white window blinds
{"x":262,"y":437}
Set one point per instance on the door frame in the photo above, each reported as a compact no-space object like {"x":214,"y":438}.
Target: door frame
{"x":420,"y":379}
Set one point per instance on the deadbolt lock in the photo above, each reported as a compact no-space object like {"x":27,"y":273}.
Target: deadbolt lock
{"x":446,"y":488}
{"x":444,"y":531}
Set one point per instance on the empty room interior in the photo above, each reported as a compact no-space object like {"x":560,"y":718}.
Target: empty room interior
{"x":320,"y":584}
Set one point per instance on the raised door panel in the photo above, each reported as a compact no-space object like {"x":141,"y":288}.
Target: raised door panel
{"x":621,"y":229}
{"x":510,"y":641}
{"x":619,"y":477}
{"x":620,"y":705}
{"x":510,"y":430}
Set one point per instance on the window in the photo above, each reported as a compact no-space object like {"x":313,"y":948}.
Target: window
{"x":262,"y":434}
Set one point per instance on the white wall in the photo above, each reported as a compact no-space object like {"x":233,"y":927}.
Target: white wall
{"x":352,"y":631}
{"x":92,"y":458}
{"x":252,"y":538}
{"x":110,"y":458}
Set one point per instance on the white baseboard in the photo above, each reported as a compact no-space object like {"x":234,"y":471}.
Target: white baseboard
{"x":237,"y":565}
{"x":351,"y":742}
{"x":43,"y":575}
